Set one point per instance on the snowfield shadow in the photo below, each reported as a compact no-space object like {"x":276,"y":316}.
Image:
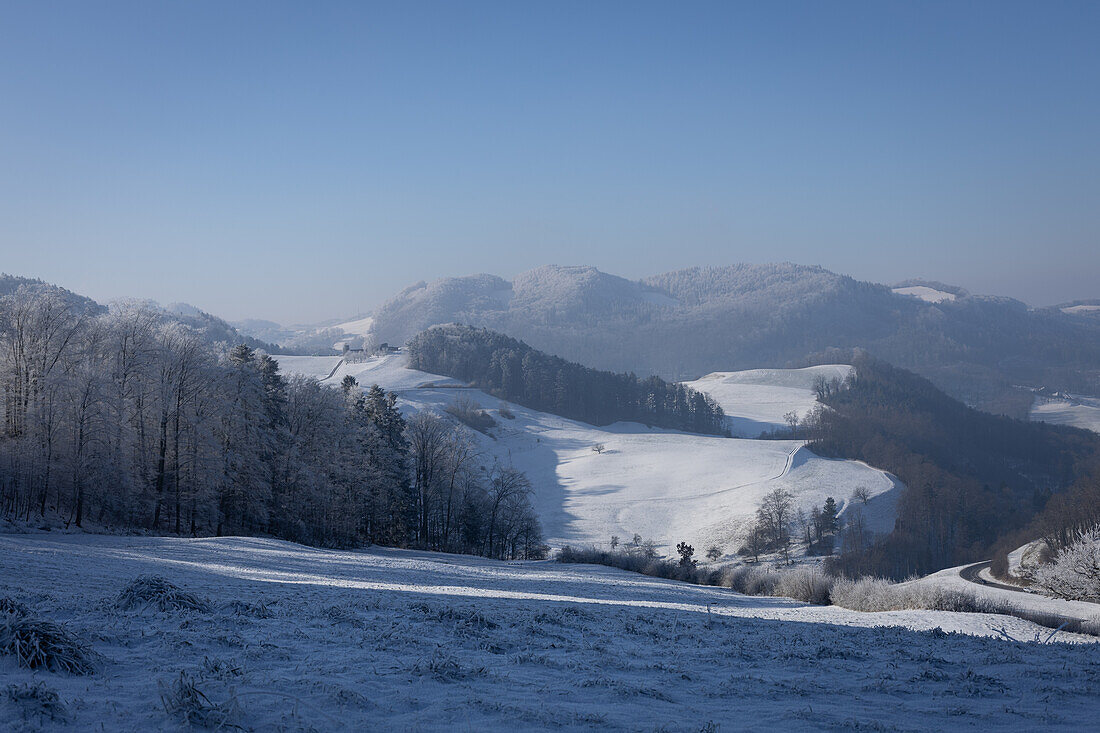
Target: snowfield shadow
{"x":297,"y":637}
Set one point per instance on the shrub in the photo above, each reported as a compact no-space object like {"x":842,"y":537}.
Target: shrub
{"x":1075,"y":573}
{"x":36,"y":700}
{"x":152,"y":590}
{"x":184,"y":700}
{"x":468,"y":413}
{"x":876,"y":594}
{"x":45,"y":645}
{"x":804,"y":585}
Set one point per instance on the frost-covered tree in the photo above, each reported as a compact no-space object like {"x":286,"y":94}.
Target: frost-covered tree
{"x":1075,"y":573}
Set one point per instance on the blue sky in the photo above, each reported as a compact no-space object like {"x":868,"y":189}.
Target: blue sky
{"x":304,"y":161}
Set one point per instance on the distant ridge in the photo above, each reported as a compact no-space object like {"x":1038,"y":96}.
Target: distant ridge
{"x":987,"y":351}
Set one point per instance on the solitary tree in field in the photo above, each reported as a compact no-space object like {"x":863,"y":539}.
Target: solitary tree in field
{"x":614,"y":541}
{"x":829,"y":514}
{"x":686,"y":551}
{"x":714,"y":552}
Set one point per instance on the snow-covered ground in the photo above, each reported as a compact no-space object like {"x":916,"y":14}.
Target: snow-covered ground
{"x":1075,"y":309}
{"x":1075,"y":410}
{"x":951,"y":578}
{"x":306,"y":639}
{"x":1024,"y":560}
{"x":757,"y":400}
{"x":925,"y":293}
{"x":358,"y":327}
{"x":665,"y":485}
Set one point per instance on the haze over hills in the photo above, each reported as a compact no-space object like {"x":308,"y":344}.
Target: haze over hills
{"x":988,"y":351}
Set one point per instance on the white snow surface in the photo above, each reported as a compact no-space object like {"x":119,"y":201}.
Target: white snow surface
{"x":357,"y":327}
{"x":306,"y":639}
{"x":925,"y":293}
{"x":1076,"y":410}
{"x":756,"y":401}
{"x":1024,"y":560}
{"x":950,"y":578}
{"x":665,"y":485}
{"x":1081,"y":309}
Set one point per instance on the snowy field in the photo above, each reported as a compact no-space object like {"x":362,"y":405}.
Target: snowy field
{"x":304,"y":639}
{"x":665,"y":485}
{"x":757,"y":400}
{"x":1078,"y":411}
{"x":357,"y":327}
{"x":925,"y":293}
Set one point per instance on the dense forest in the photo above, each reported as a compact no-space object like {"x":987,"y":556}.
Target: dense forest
{"x":125,"y":418}
{"x":970,"y":477}
{"x":512,"y":370}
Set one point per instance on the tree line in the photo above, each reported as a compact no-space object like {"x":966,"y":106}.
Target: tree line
{"x":970,"y":477}
{"x":512,"y":370}
{"x":124,"y":418}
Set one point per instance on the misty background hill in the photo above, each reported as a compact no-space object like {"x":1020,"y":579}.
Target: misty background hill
{"x":987,"y":351}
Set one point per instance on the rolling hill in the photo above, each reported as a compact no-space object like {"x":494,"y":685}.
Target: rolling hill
{"x":985,"y":351}
{"x":666,"y":485}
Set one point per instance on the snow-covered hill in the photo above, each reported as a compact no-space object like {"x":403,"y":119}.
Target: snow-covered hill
{"x":297,"y":638}
{"x":1075,"y":410}
{"x":758,"y":400}
{"x":665,"y":485}
{"x":925,"y":293}
{"x":983,"y":350}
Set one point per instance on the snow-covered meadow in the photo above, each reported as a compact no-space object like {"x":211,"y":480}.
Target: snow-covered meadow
{"x":1078,"y":411}
{"x":297,"y":638}
{"x":758,"y":400}
{"x":665,"y":485}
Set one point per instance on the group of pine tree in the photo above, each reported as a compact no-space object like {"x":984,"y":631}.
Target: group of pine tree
{"x":126,"y":418}
{"x":514,"y":371}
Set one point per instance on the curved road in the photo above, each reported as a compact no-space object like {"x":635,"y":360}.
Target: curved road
{"x":971,"y":573}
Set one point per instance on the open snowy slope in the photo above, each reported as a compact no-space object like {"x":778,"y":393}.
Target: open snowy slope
{"x":666,"y":486}
{"x":1078,"y":411}
{"x":297,"y":638}
{"x":357,"y":327}
{"x":951,"y":579}
{"x":757,"y":400}
{"x":925,"y":293}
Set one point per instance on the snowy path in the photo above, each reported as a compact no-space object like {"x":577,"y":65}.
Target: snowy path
{"x":419,"y":641}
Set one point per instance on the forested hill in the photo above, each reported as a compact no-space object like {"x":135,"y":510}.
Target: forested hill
{"x":970,"y":477}
{"x":512,"y":370}
{"x":213,"y":330}
{"x":683,"y":324}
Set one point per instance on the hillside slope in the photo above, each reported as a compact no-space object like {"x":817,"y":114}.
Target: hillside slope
{"x":760,"y":400}
{"x":301,"y":639}
{"x":665,"y":485}
{"x":682,"y":324}
{"x":971,"y":478}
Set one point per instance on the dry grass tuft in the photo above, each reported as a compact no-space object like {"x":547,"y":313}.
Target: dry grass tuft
{"x":45,"y":645}
{"x":10,"y":606}
{"x":184,"y":700}
{"x":152,"y":590}
{"x":36,"y":701}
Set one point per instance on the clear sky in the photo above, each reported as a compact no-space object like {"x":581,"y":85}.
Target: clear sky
{"x":308,"y":160}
